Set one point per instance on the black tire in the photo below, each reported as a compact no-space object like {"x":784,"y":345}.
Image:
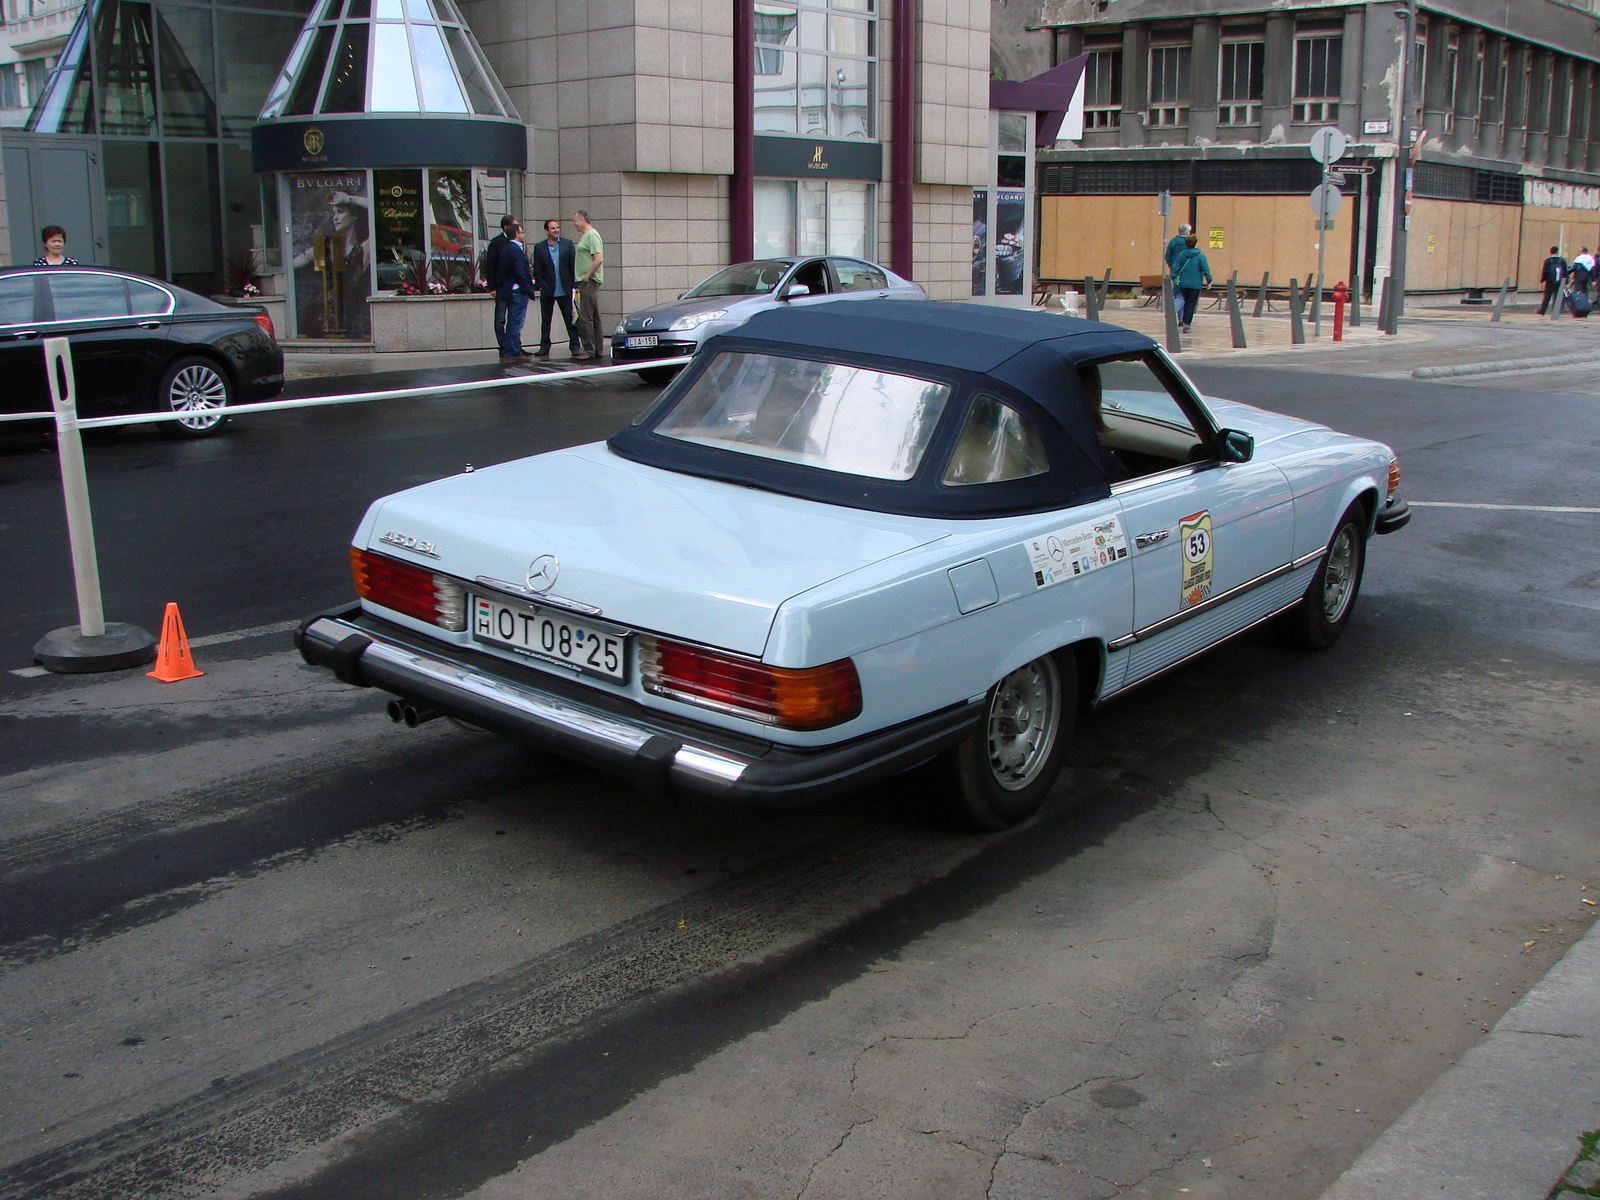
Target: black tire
{"x":1322,"y":614}
{"x":983,"y":783}
{"x":198,"y":385}
{"x":658,"y":376}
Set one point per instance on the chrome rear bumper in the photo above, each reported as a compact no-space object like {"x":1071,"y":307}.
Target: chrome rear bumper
{"x":613,"y":733}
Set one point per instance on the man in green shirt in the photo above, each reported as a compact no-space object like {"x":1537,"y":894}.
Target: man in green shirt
{"x":591,"y":271}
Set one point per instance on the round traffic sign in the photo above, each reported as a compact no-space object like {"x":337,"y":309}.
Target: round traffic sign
{"x":1325,"y":201}
{"x":1328,"y":143}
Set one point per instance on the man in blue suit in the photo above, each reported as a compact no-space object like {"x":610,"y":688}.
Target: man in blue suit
{"x":555,"y":271}
{"x":516,"y":288}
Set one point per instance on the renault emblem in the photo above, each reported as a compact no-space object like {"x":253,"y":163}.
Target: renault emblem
{"x":312,"y":141}
{"x":542,"y":572}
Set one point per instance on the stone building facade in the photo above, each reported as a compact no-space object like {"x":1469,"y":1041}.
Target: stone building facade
{"x":1216,"y":101}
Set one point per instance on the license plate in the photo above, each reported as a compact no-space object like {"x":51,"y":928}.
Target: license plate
{"x":643,"y":342}
{"x":556,"y":636}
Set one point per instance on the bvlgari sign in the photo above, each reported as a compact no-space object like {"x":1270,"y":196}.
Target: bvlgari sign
{"x":811,"y":158}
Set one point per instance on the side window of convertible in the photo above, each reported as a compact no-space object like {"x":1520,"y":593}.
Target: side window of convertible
{"x":1142,"y":427}
{"x":996,"y":443}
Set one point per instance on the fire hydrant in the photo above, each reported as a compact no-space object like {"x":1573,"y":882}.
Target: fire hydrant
{"x":1340,"y":295}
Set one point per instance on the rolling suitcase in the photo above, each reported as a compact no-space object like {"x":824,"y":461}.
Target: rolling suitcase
{"x":1578,"y":302}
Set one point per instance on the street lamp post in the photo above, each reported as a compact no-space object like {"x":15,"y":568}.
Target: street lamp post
{"x":1402,"y":171}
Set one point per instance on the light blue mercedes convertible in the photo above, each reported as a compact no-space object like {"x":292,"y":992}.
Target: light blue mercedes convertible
{"x":857,"y":539}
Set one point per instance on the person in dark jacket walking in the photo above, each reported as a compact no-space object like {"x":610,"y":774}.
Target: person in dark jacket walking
{"x":555,"y":272}
{"x":516,"y":287}
{"x":491,"y":275}
{"x":1555,"y":270}
{"x":1175,"y":248}
{"x":1191,"y":272}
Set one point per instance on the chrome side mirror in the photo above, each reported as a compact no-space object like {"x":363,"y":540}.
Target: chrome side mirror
{"x":793,"y":290}
{"x":1237,"y":446}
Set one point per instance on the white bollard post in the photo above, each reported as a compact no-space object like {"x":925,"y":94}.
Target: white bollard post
{"x":90,"y":645}
{"x":75,"y":486}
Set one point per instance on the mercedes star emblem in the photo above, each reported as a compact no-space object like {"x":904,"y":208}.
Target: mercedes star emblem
{"x":542,"y":572}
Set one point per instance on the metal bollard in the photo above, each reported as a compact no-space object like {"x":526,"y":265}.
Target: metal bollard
{"x":1261,"y":296}
{"x":1169,"y":308}
{"x":1092,"y":301}
{"x":1235,"y":317}
{"x":1297,"y":329}
{"x":1500,"y":300}
{"x":91,"y":644}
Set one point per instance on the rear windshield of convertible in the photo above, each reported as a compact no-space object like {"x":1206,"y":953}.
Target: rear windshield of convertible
{"x":857,"y":420}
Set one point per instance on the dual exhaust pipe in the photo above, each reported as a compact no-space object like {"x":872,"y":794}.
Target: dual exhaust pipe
{"x":409,"y":713}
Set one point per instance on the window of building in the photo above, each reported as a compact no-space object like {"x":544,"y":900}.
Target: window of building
{"x":815,"y":67}
{"x":1169,"y":85}
{"x":815,"y":216}
{"x":35,"y":72}
{"x":10,"y":87}
{"x":1452,"y":77}
{"x":1102,"y":89}
{"x":1317,"y":78}
{"x":1240,"y":82}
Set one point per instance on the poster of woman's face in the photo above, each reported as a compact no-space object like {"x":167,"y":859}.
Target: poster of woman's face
{"x":331,"y":302}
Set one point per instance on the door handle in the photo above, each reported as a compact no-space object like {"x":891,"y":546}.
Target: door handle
{"x":1142,"y":541}
{"x":149,"y":324}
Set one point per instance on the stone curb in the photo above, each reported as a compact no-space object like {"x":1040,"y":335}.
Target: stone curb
{"x":1507,"y":364}
{"x":1504,"y":1123}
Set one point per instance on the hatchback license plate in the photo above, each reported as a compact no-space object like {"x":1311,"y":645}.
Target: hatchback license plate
{"x":643,"y":342}
{"x":551,"y":635}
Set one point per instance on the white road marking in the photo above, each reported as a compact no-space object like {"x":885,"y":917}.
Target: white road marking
{"x":199,"y":643}
{"x":1547,"y":508}
{"x":238,"y":635}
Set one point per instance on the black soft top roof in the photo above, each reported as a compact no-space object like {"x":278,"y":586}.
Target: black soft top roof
{"x":967,"y":337}
{"x":1032,"y":356}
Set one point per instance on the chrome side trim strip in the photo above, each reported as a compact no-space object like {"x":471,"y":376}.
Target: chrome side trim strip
{"x":1188,"y":614}
{"x":1133,"y":485}
{"x":1157,"y":674}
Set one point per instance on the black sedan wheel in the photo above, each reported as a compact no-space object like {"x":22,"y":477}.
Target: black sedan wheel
{"x":1318,"y":620}
{"x":1000,"y":775}
{"x":197,"y":386}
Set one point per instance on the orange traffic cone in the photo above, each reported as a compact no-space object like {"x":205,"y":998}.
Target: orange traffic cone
{"x":173,"y":660}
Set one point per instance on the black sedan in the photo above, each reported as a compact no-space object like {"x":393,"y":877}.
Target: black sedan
{"x":138,"y":345}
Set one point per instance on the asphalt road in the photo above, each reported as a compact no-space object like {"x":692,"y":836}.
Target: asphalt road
{"x":255,"y":940}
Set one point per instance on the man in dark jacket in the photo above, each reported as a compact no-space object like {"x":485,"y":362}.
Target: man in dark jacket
{"x":1555,"y":270}
{"x":555,"y":271}
{"x":516,"y":288}
{"x":1175,"y":249}
{"x":491,"y":275}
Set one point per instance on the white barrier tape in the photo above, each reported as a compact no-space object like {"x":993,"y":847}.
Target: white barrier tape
{"x":440,"y":389}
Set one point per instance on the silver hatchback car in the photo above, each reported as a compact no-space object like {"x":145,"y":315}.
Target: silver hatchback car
{"x":735,"y":294}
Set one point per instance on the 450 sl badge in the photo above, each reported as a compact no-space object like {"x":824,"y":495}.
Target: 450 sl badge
{"x":406,"y":542}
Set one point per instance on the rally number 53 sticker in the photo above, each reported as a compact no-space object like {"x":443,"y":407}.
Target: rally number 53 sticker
{"x":1194,"y":536}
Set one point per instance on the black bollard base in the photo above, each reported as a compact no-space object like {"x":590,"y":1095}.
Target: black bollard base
{"x":67,"y":651}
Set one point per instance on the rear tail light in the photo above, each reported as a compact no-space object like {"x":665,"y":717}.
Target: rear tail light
{"x":407,"y":589}
{"x":1394,"y":476}
{"x":266,"y":323}
{"x":807,"y":698}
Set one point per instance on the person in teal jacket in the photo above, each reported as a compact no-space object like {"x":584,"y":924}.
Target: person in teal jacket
{"x":1190,"y":272}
